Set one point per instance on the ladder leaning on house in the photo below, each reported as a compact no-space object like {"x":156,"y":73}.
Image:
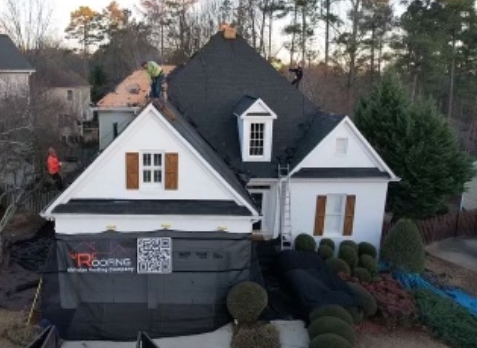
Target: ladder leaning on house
{"x":285,"y":207}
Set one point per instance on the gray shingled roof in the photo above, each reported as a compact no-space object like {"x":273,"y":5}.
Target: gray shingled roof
{"x":341,"y":173}
{"x":10,"y":57}
{"x":211,"y":85}
{"x":244,"y":104}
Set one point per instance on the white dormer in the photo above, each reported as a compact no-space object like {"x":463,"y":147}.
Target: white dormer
{"x":255,"y":126}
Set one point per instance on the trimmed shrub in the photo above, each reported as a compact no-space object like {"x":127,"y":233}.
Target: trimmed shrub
{"x":329,"y":341}
{"x":264,"y":336}
{"x":349,"y":243}
{"x":370,"y":264}
{"x":356,"y":314}
{"x":403,"y":249}
{"x":324,"y":325}
{"x":325,"y":252}
{"x":348,"y":254}
{"x":365,"y":248}
{"x":365,"y":300}
{"x":332,"y":311}
{"x":448,"y":321}
{"x":305,"y":242}
{"x":246,"y":301}
{"x":338,"y":265}
{"x":362,"y":274}
{"x":328,"y":242}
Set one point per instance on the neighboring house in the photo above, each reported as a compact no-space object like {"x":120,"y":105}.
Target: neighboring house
{"x":15,"y":70}
{"x":74,"y":93}
{"x":118,"y":108}
{"x":209,"y":160}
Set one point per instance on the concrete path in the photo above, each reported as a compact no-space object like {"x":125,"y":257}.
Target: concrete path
{"x":292,"y":335}
{"x":461,"y":251}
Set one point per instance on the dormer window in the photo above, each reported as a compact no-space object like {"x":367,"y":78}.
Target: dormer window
{"x":255,"y":129}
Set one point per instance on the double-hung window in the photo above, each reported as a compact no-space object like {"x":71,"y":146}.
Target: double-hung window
{"x":152,"y":168}
{"x":257,"y":139}
{"x":335,"y":213}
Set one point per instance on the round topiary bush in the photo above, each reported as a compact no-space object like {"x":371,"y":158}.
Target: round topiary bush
{"x":328,"y":242}
{"x":403,"y":249}
{"x":356,"y":314}
{"x":332,"y":311}
{"x":338,"y":265}
{"x":362,"y":274}
{"x":265,"y":336}
{"x":365,"y":300}
{"x":365,"y":248}
{"x":370,"y":264}
{"x":324,"y":325}
{"x":305,"y":242}
{"x":325,"y":252}
{"x":246,"y":301}
{"x":348,"y":254}
{"x":330,"y":341}
{"x":349,"y":243}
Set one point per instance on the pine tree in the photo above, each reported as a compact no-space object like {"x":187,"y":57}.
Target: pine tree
{"x":419,"y":146}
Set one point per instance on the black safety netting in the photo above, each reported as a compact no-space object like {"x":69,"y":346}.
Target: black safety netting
{"x":110,"y":286}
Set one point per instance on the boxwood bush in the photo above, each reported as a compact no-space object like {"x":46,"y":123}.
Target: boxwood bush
{"x":338,"y":265}
{"x":329,"y":341}
{"x":328,"y":242}
{"x":246,"y":301}
{"x":370,"y":264}
{"x":365,"y":300}
{"x":263,"y":336}
{"x":362,"y":274}
{"x":324,"y":325}
{"x":365,"y":248}
{"x":332,"y":311}
{"x":305,"y":242}
{"x":348,"y":254}
{"x":325,"y":252}
{"x":356,"y":314}
{"x":350,"y":243}
{"x":403,"y":249}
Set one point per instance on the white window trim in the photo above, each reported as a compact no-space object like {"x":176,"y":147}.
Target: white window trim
{"x":152,"y":185}
{"x":342,"y":214}
{"x":267,"y":141}
{"x":265,"y":196}
{"x":337,"y":153}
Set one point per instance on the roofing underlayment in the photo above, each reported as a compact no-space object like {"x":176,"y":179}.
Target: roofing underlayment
{"x":132,"y":91}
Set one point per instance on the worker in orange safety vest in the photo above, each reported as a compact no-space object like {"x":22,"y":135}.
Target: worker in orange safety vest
{"x":54,"y":166}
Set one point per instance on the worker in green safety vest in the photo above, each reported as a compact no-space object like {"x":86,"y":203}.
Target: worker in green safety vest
{"x":156,"y":75}
{"x":277,"y":64}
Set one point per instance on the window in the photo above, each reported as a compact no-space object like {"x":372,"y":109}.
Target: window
{"x":341,"y":146}
{"x":258,"y":200}
{"x":69,"y":95}
{"x":151,"y":171}
{"x":335,"y":211}
{"x":257,"y":138}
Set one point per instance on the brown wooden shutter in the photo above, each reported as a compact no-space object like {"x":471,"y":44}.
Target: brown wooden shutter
{"x":172,"y":171}
{"x":132,"y":171}
{"x":320,"y":215}
{"x":349,"y":215}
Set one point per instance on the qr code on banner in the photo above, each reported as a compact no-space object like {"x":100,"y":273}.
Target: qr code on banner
{"x":154,"y":255}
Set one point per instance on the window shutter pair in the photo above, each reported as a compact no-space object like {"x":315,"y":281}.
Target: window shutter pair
{"x":320,"y":215}
{"x":171,"y":171}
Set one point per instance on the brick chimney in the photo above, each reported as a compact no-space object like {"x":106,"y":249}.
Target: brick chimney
{"x":230,"y":33}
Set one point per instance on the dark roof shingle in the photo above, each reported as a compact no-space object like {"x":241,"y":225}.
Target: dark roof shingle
{"x":348,"y":173}
{"x":11,"y":58}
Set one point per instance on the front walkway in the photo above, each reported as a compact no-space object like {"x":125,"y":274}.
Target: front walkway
{"x":461,"y":251}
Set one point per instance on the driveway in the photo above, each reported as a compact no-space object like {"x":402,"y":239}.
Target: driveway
{"x":461,"y":251}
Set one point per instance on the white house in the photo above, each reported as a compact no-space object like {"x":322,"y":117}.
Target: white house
{"x":235,"y":148}
{"x":15,"y":70}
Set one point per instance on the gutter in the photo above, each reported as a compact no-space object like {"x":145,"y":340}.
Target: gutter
{"x":132,"y":108}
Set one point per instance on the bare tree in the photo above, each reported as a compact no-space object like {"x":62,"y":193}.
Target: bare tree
{"x":28,"y":22}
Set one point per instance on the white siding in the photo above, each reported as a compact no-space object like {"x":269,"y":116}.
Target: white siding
{"x":324,"y":155}
{"x":369,"y":208}
{"x":14,"y":83}
{"x":106,"y":121}
{"x":132,"y":223}
{"x":150,"y":133}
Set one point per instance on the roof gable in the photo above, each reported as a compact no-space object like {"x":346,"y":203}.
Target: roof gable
{"x":213,"y":83}
{"x":105,"y":178}
{"x":251,"y":107}
{"x":11,"y":58}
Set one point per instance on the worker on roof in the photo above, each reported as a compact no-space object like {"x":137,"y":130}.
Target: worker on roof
{"x":298,"y":70}
{"x":54,"y":166}
{"x":277,"y":64}
{"x":156,"y":75}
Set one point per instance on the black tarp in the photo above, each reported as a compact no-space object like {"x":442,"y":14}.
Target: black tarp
{"x":144,"y":341}
{"x":47,"y":339}
{"x":110,"y":286}
{"x":311,"y":282}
